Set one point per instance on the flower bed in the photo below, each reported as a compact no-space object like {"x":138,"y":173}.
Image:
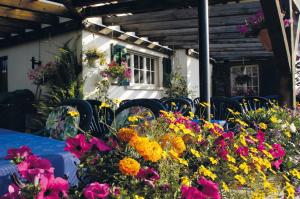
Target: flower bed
{"x":174,"y":157}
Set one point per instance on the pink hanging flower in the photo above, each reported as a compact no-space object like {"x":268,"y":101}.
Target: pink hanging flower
{"x":243,"y":151}
{"x":101,"y":146}
{"x":35,"y":167}
{"x":13,"y":192}
{"x":96,"y":191}
{"x":277,"y":163}
{"x":18,"y":154}
{"x":55,"y":188}
{"x":191,"y":193}
{"x":77,"y":145}
{"x":277,"y":151}
{"x":243,"y":29}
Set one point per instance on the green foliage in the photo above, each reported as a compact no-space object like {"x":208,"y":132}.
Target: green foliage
{"x":66,"y":83}
{"x":94,"y":54}
{"x":177,"y":86}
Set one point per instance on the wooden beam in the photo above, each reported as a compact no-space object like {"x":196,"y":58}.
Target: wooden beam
{"x":169,"y":32}
{"x":40,"y":34}
{"x":74,"y":12}
{"x":8,"y":29}
{"x":19,"y":23}
{"x":36,"y":6}
{"x":27,"y":15}
{"x":136,"y":7}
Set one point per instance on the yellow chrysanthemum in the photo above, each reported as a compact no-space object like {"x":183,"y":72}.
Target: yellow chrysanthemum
{"x":196,"y":153}
{"x":244,"y":167}
{"x":154,"y":152}
{"x":73,"y":113}
{"x":138,"y":197}
{"x":225,"y":187}
{"x":295,"y":173}
{"x":133,"y":119}
{"x":126,"y":134}
{"x":273,"y":119}
{"x":129,"y":166}
{"x":240,"y":179}
{"x":213,"y":160}
{"x":290,"y":190}
{"x":206,"y":172}
{"x":186,"y":181}
{"x":104,"y":105}
{"x":231,"y":159}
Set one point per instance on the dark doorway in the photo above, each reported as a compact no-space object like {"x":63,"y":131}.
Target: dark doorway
{"x":3,"y":74}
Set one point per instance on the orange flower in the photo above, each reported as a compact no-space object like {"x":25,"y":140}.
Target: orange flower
{"x":154,"y":152}
{"x":126,"y":134}
{"x":129,"y":166}
{"x":166,"y":138}
{"x":178,"y":144}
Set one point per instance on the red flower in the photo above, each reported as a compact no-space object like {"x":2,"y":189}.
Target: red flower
{"x":101,"y":146}
{"x":96,"y":191}
{"x":35,"y":167}
{"x":77,"y":145}
{"x":19,"y":154}
{"x":54,"y":188}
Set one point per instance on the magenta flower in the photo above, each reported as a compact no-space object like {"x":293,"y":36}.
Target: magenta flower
{"x":260,"y":136}
{"x":277,"y":163}
{"x":19,"y":154}
{"x":96,"y":191}
{"x":54,"y":188}
{"x":243,"y":29}
{"x":277,"y":151}
{"x":101,"y":146}
{"x":116,"y":191}
{"x":208,"y":189}
{"x":13,"y":192}
{"x":287,"y":22}
{"x":149,"y":176}
{"x":77,"y":145}
{"x":35,"y":167}
{"x":243,"y":151}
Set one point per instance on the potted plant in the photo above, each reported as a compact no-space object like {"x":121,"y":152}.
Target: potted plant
{"x":117,"y":74}
{"x":255,"y":26}
{"x":92,"y":55}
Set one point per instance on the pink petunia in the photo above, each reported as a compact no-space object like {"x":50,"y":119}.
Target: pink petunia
{"x":149,"y":176}
{"x":55,"y":188}
{"x":277,"y":163}
{"x":77,"y":145}
{"x":35,"y":167}
{"x":96,"y":191}
{"x":191,"y":193}
{"x":18,"y":154}
{"x":243,"y":151}
{"x":101,"y":146}
{"x":277,"y":151}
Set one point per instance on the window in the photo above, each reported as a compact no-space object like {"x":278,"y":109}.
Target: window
{"x":245,"y":80}
{"x":143,"y":68}
{"x":3,"y":74}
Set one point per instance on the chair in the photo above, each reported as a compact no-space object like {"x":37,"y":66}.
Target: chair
{"x":182,"y":105}
{"x":251,"y":103}
{"x":85,"y":110}
{"x":220,"y":107}
{"x":147,"y":108}
{"x":102,"y":118}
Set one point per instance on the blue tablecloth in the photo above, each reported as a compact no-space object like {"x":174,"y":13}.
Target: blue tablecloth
{"x":53,"y":150}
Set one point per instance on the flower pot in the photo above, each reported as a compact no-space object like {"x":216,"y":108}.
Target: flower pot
{"x":113,"y":81}
{"x":91,"y":62}
{"x":264,"y":38}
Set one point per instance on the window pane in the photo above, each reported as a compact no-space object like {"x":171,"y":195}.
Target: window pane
{"x":141,"y":76}
{"x":136,"y":76}
{"x":148,"y":77}
{"x":148,"y":63}
{"x":136,"y":61}
{"x":141,"y":63}
{"x":152,"y":78}
{"x":152,"y":64}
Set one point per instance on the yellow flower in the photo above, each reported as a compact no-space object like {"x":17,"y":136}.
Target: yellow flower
{"x":129,"y":166}
{"x":117,"y":101}
{"x":273,"y":119}
{"x":290,"y":190}
{"x":258,"y":195}
{"x":183,"y":161}
{"x":233,"y":168}
{"x":269,"y":155}
{"x":288,"y":134}
{"x":241,"y":179}
{"x":242,"y":123}
{"x":262,"y":126}
{"x":155,"y":152}
{"x":244,"y":167}
{"x":225,"y":187}
{"x":230,"y":159}
{"x":138,"y":197}
{"x":243,"y":140}
{"x":213,"y":160}
{"x":192,"y":115}
{"x":173,"y":154}
{"x":104,"y":105}
{"x":186,"y":181}
{"x":73,"y":113}
{"x":133,"y":119}
{"x":150,"y":151}
{"x":295,"y":173}
{"x":206,"y":172}
{"x":173,"y":104}
{"x":195,"y":153}
{"x":178,"y":144}
{"x":126,"y":134}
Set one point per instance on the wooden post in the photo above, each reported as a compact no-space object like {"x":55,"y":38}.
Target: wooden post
{"x":205,"y":73}
{"x":283,"y":48}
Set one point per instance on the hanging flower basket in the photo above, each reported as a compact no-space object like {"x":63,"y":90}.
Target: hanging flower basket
{"x":265,"y":40}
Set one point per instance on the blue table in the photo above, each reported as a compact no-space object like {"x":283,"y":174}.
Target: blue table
{"x":53,"y":150}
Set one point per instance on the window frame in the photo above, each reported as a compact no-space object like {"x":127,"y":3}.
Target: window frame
{"x":153,"y":73}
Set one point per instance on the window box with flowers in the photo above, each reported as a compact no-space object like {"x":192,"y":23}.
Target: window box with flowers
{"x":255,"y":26}
{"x":117,"y":74}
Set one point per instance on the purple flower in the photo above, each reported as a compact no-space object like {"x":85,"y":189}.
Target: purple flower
{"x":243,"y":29}
{"x":149,"y":176}
{"x":287,"y":22}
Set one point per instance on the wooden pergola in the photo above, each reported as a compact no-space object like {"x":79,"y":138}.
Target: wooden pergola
{"x":177,"y":24}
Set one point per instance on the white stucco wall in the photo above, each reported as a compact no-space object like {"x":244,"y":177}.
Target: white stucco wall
{"x":103,"y":43}
{"x":19,"y":57}
{"x":193,"y":76}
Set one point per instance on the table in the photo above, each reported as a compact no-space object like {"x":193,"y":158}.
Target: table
{"x":53,"y":150}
